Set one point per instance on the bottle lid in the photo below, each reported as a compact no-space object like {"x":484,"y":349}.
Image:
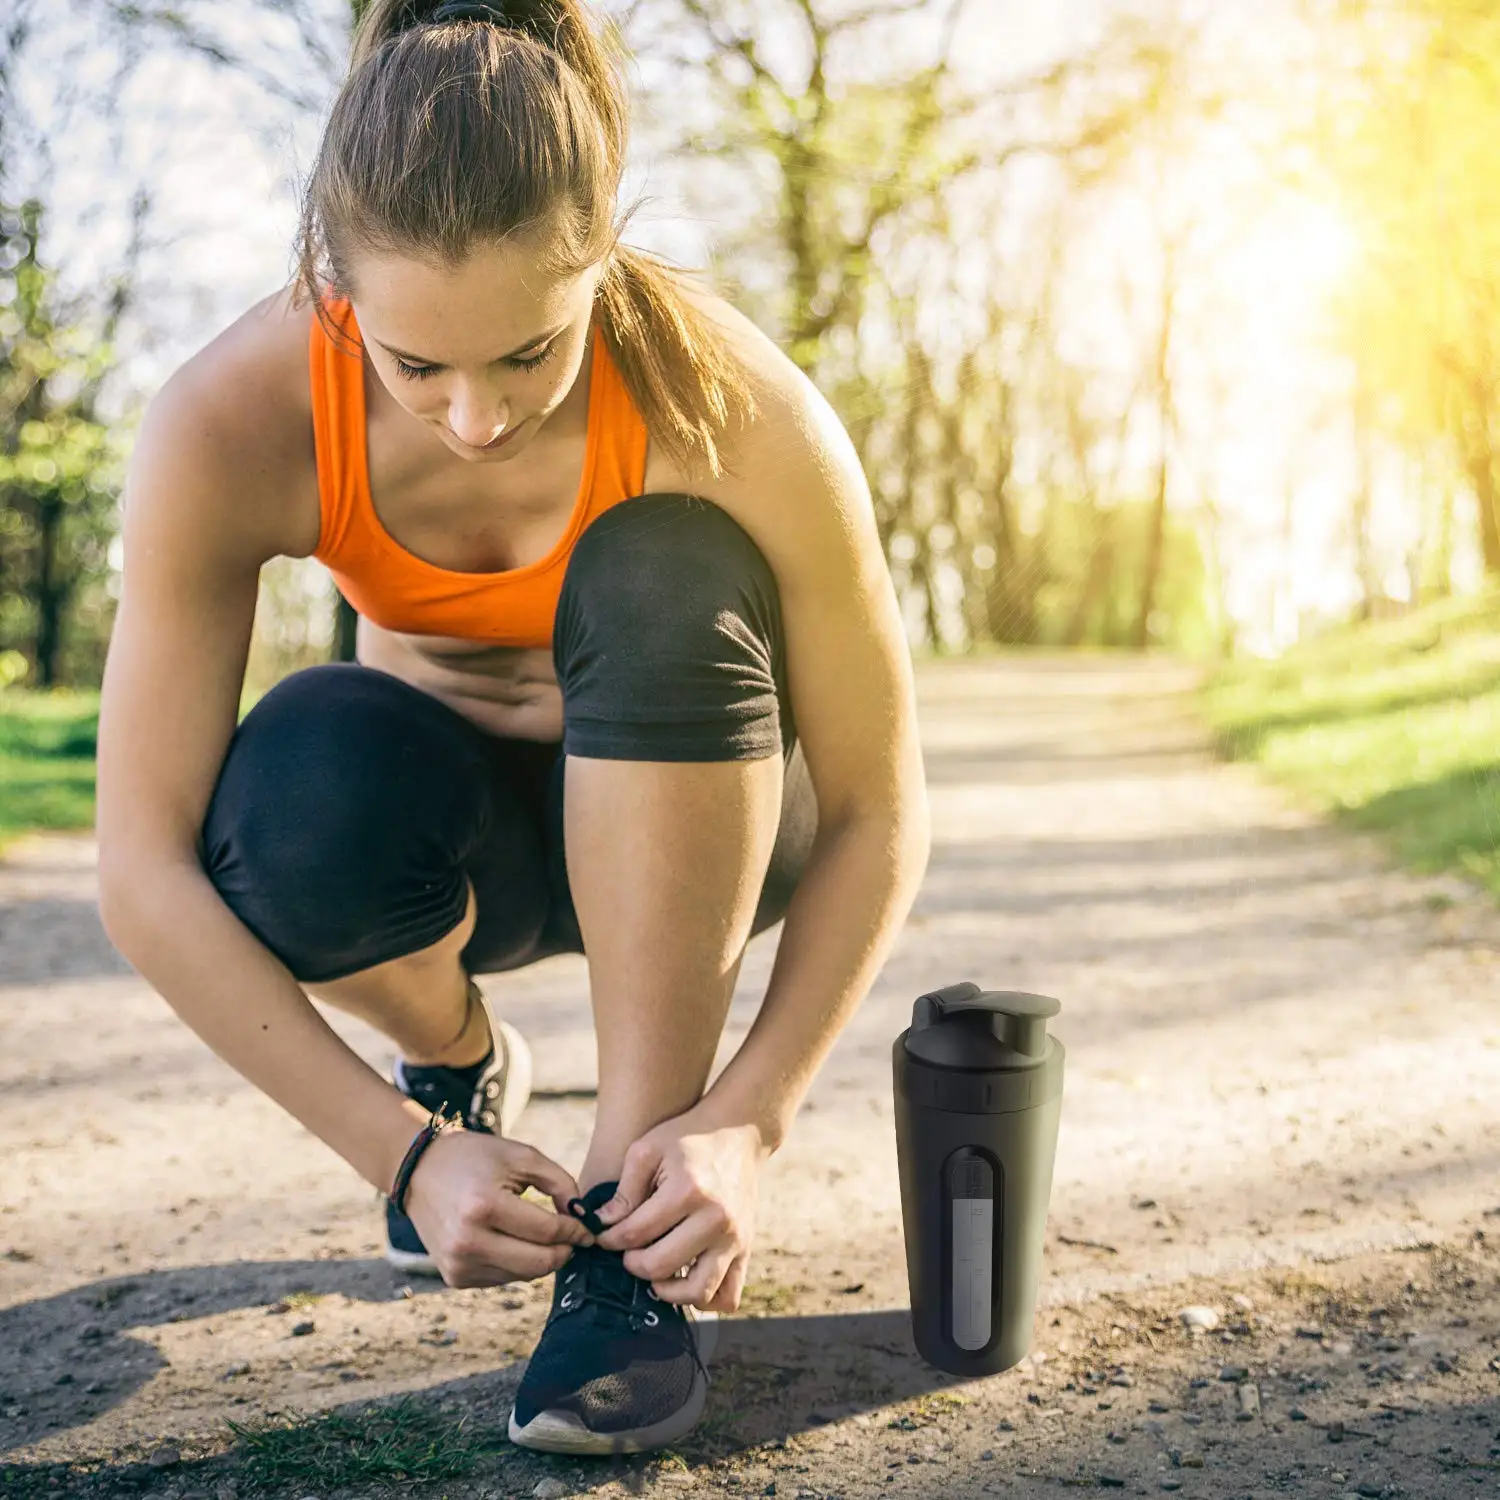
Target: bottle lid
{"x":962,"y":1026}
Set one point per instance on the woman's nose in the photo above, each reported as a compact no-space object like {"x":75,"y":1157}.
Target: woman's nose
{"x":476,"y":421}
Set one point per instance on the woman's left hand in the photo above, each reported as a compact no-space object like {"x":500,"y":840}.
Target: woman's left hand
{"x":688,"y":1188}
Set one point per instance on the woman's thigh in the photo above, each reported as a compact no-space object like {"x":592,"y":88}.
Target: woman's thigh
{"x":351,"y":813}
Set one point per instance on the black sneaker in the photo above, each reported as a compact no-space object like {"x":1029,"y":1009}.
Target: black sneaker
{"x":490,"y":1096}
{"x":616,"y":1370}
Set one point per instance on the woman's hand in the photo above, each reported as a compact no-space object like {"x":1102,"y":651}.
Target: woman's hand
{"x":688,"y":1188}
{"x":465,"y":1199}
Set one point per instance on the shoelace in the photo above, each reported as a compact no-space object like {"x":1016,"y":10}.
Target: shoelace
{"x":604,"y":1276}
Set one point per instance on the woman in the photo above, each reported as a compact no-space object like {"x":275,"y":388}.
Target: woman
{"x":621,"y":597}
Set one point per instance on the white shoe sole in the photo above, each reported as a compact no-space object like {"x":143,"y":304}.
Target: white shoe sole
{"x":515,"y":1088}
{"x":564,"y":1432}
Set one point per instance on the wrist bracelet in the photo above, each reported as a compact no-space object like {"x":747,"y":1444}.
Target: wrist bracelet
{"x":439,"y":1124}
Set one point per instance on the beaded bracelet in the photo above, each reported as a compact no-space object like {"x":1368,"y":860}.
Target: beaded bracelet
{"x":440,"y":1123}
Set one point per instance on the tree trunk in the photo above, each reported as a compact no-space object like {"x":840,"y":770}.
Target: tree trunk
{"x":49,"y":593}
{"x":1487,"y":495}
{"x":345,"y":626}
{"x":1157,"y":525}
{"x":1096,"y":580}
{"x":1364,"y":484}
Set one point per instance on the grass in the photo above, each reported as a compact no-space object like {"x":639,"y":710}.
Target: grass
{"x":406,"y":1440}
{"x":1392,"y":728}
{"x":47,"y":747}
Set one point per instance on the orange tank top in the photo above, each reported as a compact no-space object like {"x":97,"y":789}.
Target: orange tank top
{"x":402,"y":592}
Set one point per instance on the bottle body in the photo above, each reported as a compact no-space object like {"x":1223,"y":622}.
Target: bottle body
{"x":975,"y":1187}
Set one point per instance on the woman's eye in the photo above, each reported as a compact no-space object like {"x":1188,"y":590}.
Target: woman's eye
{"x":421,"y":372}
{"x":536,"y":361}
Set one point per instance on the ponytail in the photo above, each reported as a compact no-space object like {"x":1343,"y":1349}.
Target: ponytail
{"x":461,"y":124}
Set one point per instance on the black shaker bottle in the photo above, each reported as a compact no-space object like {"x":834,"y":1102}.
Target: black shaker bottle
{"x":978,"y":1096}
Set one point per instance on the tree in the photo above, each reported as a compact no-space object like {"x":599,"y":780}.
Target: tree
{"x":1422,"y":315}
{"x":59,"y":466}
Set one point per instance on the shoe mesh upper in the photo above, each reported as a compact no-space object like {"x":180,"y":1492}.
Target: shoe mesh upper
{"x":612,"y":1353}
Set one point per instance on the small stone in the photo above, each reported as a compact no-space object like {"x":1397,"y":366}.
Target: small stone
{"x":66,"y":1378}
{"x":1235,"y":1373}
{"x":1122,"y":1379}
{"x":1171,"y":1484}
{"x":242,"y":1368}
{"x":1337,"y":1478}
{"x":770,"y":1488}
{"x":1335,"y":1432}
{"x":1157,"y":1406}
{"x":1005,"y":1425}
{"x":1199,"y":1319}
{"x":1110,"y":1482}
{"x":1249,"y":1397}
{"x":1341,"y":1346}
{"x":301,"y":1330}
{"x":1297,"y":1414}
{"x":1192,"y":1461}
{"x":1370,"y":1489}
{"x":1242,"y":1302}
{"x":94,"y":1388}
{"x":550,"y":1489}
{"x":164,"y":1458}
{"x":987,"y":1455}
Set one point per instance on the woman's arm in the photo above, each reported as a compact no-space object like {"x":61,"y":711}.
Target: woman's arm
{"x":211,"y":496}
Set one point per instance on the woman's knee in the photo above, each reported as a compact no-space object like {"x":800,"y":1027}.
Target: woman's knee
{"x":668,"y":642}
{"x":337,"y":827}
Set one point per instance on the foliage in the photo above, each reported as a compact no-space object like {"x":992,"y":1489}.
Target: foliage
{"x":1392,"y":727}
{"x":59,"y":467}
{"x":1421,"y":316}
{"x":47,"y":743}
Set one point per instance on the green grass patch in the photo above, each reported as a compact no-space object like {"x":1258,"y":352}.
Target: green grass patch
{"x":1393,"y":728}
{"x":406,"y":1440}
{"x":48,"y":743}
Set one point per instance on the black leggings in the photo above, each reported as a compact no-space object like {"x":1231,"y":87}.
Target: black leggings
{"x":352,"y":810}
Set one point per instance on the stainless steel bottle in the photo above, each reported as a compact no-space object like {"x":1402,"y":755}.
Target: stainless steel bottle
{"x":978,"y":1084}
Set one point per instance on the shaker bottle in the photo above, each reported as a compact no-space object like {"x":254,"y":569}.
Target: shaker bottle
{"x":978,"y":1095}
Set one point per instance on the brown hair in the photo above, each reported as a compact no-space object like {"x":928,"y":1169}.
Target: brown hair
{"x":452,"y":133}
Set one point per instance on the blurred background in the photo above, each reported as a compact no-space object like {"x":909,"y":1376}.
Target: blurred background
{"x":1159,"y":327}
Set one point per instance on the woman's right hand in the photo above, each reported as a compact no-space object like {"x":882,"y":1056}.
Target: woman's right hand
{"x":465,"y":1200}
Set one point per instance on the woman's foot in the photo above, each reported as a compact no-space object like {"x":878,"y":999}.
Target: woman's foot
{"x":616,"y":1370}
{"x":490,"y":1095}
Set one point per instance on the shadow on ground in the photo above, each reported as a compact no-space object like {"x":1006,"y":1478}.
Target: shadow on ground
{"x":773,"y":1376}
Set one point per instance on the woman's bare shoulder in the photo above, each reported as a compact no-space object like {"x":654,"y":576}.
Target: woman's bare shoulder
{"x":242,"y":403}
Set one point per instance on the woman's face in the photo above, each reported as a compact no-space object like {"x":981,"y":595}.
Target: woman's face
{"x":482,"y":352}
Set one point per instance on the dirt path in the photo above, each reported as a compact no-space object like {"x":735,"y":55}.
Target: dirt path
{"x":1283,"y":1100}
